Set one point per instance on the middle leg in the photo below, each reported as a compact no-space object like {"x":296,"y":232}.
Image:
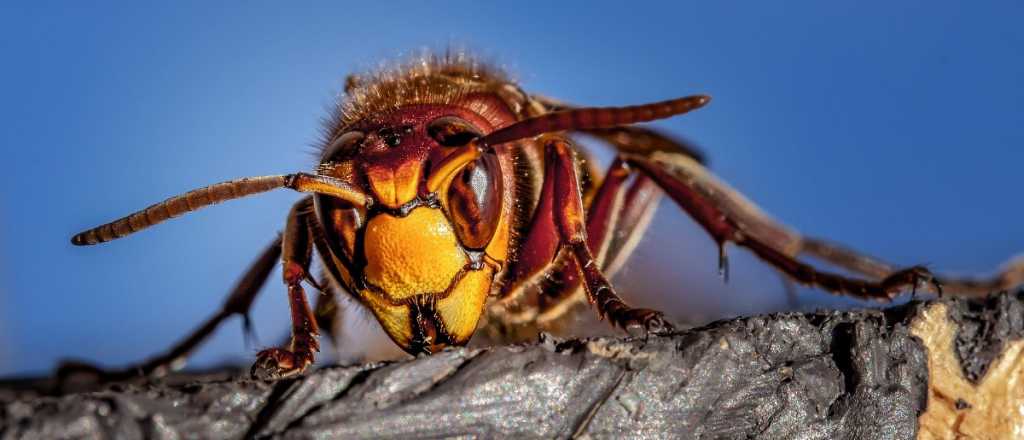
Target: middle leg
{"x":238,"y":303}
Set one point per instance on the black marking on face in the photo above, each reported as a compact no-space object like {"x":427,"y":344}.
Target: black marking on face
{"x":428,"y":331}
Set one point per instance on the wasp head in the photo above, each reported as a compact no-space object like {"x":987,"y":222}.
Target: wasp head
{"x":423,"y":253}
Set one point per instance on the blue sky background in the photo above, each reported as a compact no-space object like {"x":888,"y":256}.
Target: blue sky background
{"x":895,"y":128}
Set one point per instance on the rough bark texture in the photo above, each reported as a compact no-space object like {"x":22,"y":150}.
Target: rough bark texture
{"x":825,"y":375}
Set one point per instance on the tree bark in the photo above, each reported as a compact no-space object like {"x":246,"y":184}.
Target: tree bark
{"x":932,"y":369}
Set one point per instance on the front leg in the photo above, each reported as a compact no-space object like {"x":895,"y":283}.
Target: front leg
{"x":275,"y":363}
{"x":559,"y":225}
{"x":617,"y":217}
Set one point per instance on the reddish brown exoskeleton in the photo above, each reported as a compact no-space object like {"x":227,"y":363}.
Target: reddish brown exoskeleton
{"x":444,"y":194}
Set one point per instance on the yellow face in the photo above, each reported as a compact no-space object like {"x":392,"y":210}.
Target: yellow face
{"x":426,"y":291}
{"x":424,"y":254}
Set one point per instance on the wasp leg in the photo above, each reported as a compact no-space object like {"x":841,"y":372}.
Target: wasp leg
{"x":297,"y":250}
{"x":1009,"y":276}
{"x":325,"y":311}
{"x":559,"y":224}
{"x":237,"y":303}
{"x":728,"y":217}
{"x":326,"y":308}
{"x":845,"y":258}
{"x":616,"y":219}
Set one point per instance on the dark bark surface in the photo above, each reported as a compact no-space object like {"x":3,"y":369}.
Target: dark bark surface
{"x":824,"y":375}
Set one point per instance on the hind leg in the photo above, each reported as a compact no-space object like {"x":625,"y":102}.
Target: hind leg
{"x":729,"y":217}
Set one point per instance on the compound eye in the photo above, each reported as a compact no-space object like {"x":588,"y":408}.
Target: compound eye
{"x":450,"y":131}
{"x":474,"y":202}
{"x":344,"y":146}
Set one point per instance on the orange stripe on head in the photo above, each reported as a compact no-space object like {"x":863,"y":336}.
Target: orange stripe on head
{"x":395,"y":187}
